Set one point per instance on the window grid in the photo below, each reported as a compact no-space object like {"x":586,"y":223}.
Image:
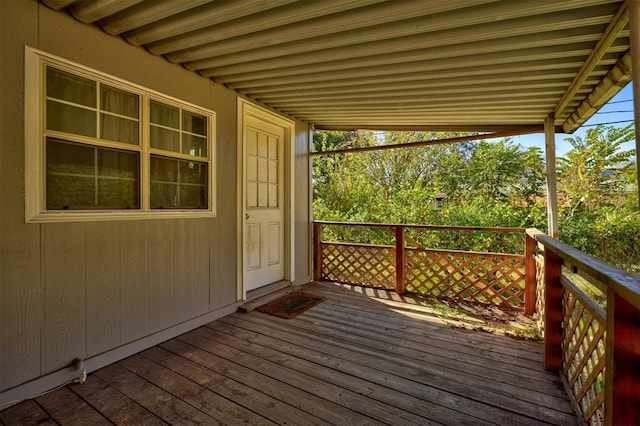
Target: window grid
{"x":116,"y":102}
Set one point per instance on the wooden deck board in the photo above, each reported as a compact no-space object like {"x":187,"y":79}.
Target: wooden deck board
{"x":350,"y":360}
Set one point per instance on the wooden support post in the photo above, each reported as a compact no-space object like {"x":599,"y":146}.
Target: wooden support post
{"x":399,"y":259}
{"x":530,"y":282}
{"x":622,"y":373}
{"x":552,"y":189}
{"x":317,"y":251}
{"x":553,"y":311}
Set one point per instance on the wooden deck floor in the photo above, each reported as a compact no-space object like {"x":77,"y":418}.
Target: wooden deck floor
{"x":351,"y":360}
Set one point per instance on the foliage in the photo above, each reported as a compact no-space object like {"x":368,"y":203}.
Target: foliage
{"x":494,"y":184}
{"x":595,"y":172}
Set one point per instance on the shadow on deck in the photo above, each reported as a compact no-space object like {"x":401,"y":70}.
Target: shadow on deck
{"x":354,"y":359}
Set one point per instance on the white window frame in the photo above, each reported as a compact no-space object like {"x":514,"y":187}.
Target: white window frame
{"x":36,"y":134}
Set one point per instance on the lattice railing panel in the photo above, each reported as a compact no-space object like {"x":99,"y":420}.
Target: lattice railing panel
{"x":540,"y":294}
{"x":583,"y":352}
{"x":373,"y":266}
{"x":478,"y":277}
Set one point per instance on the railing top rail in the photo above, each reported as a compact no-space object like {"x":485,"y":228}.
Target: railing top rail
{"x":623,"y":283}
{"x":431,"y":227}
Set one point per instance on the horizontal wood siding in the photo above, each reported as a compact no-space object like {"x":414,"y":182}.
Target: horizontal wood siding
{"x":72,"y":290}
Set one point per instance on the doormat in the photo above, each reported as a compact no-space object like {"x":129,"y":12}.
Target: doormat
{"x":292,"y":304}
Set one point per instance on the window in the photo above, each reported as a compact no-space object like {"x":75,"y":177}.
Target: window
{"x":108,"y":149}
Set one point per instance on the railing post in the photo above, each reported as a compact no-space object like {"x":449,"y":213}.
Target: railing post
{"x":622,"y":371}
{"x":399,"y":259}
{"x":317,"y":251}
{"x":553,"y":311}
{"x":530,"y":291}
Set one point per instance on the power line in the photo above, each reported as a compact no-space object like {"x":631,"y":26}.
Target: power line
{"x":610,"y":122}
{"x":619,"y":102}
{"x":614,"y":112}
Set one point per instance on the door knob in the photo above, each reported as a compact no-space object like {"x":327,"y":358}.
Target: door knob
{"x":246,"y":215}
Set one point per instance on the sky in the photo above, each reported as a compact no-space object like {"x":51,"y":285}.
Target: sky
{"x":619,"y":108}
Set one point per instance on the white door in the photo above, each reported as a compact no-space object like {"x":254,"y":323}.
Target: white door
{"x":264,"y":219}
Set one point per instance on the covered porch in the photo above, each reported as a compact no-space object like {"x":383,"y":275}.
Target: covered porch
{"x":367,"y":355}
{"x":363,"y":356}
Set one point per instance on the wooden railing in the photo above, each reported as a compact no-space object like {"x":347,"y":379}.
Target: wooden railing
{"x":411,"y":258}
{"x":596,"y":350}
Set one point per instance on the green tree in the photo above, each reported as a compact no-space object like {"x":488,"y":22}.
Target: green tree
{"x":596,"y":171}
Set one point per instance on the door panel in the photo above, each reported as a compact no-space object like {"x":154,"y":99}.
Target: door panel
{"x":263,"y":204}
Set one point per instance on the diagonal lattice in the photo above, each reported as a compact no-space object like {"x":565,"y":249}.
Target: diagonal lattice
{"x":373,"y":266}
{"x":583,"y":353}
{"x":477,"y":277}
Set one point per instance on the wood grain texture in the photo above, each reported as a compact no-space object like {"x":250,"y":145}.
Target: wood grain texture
{"x":210,"y":403}
{"x":27,"y":413}
{"x":20,"y":284}
{"x":530,"y":283}
{"x":302,"y":203}
{"x":623,"y":389}
{"x":183,"y":270}
{"x":160,"y":275}
{"x":224,"y":240}
{"x":553,"y":311}
{"x":64,"y":248}
{"x":114,"y":405}
{"x":200,"y":236}
{"x":103,"y":286}
{"x":70,"y":409}
{"x":134,"y":282}
{"x":156,"y":400}
{"x":338,"y":363}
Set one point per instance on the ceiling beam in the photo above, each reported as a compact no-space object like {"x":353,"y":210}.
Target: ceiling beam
{"x":148,"y":13}
{"x":302,"y":32}
{"x":383,"y":92}
{"x":612,"y":32}
{"x":89,"y":12}
{"x":516,"y":49}
{"x":619,"y":76}
{"x":457,"y":139}
{"x":381,"y":22}
{"x":202,"y":17}
{"x":536,"y":28}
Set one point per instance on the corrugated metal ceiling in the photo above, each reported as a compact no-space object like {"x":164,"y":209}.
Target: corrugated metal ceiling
{"x":429,"y":64}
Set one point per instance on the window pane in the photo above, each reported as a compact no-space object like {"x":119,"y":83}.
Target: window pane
{"x":193,"y":197}
{"x":193,"y":172}
{"x":86,"y":177}
{"x":164,"y":170}
{"x":166,"y":139}
{"x":71,"y":88}
{"x":120,"y":164}
{"x":70,"y":192}
{"x":119,"y":129}
{"x":194,"y":145}
{"x":71,"y":119}
{"x":194,"y":123}
{"x":164,"y":195}
{"x":178,"y":184}
{"x":165,"y":115}
{"x":119,"y":102}
{"x":69,"y":158}
{"x":118,"y":193}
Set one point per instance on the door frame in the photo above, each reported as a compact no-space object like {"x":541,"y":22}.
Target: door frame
{"x":246,"y":108}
